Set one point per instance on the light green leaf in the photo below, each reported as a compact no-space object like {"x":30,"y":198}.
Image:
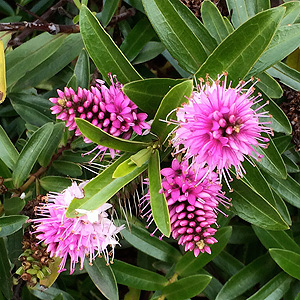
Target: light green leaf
{"x":292,"y":12}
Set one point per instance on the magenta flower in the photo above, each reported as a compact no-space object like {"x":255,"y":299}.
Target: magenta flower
{"x":193,"y":205}
{"x":90,"y":234}
{"x":107,"y":108}
{"x":219,"y":126}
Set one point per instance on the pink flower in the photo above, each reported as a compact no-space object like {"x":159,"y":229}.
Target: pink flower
{"x":193,"y":205}
{"x":90,"y":234}
{"x":220,"y":125}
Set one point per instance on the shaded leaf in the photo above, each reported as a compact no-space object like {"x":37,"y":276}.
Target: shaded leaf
{"x":82,"y":70}
{"x":150,"y":51}
{"x":269,"y":86}
{"x":5,"y":275}
{"x":67,"y":168}
{"x":11,"y":224}
{"x":109,"y":9}
{"x":55,"y":183}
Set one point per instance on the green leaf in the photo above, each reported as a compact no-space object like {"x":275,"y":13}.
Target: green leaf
{"x":151,"y":245}
{"x":11,"y":224}
{"x":150,"y":51}
{"x":189,"y":264}
{"x":242,"y":10}
{"x":271,"y":161}
{"x":67,"y":168}
{"x":288,"y":189}
{"x":29,"y":55}
{"x":100,"y":137}
{"x":137,"y":38}
{"x":109,"y":9}
{"x":12,"y":206}
{"x":103,"y":187}
{"x":292,"y":12}
{"x":274,"y":289}
{"x":249,"y":40}
{"x":5,"y":275}
{"x":173,"y":99}
{"x":82,"y":70}
{"x":136,"y":277}
{"x":214,"y":22}
{"x":55,"y":183}
{"x":282,"y":208}
{"x":285,"y":41}
{"x":72,"y":83}
{"x":282,"y":143}
{"x":30,"y":153}
{"x":152,"y":89}
{"x":187,"y":287}
{"x":287,"y":75}
{"x":159,"y":206}
{"x":6,"y":8}
{"x":103,"y":51}
{"x":49,"y":293}
{"x":269,"y":86}
{"x":52,"y":144}
{"x":249,"y":276}
{"x":103,"y":278}
{"x":291,"y":166}
{"x":253,"y":208}
{"x":287,"y":260}
{"x":276,"y":239}
{"x":175,"y":33}
{"x":8,"y":154}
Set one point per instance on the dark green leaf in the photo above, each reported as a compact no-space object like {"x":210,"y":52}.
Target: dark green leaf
{"x":282,"y":143}
{"x":11,"y":224}
{"x":246,"y":278}
{"x":82,"y":70}
{"x":103,"y":51}
{"x":5,"y":8}
{"x":30,"y":153}
{"x":67,"y":168}
{"x":151,"y":245}
{"x":150,"y":51}
{"x":287,"y":260}
{"x":147,"y":94}
{"x":109,"y":9}
{"x":5,"y":275}
{"x":269,"y":86}
{"x":282,"y":208}
{"x":189,"y":264}
{"x":8,"y":154}
{"x":100,"y":137}
{"x":103,"y":278}
{"x":159,"y":206}
{"x":55,"y":183}
{"x":136,"y":277}
{"x":49,"y":293}
{"x":187,"y":287}
{"x":12,"y":206}
{"x":249,"y":40}
{"x":291,"y":166}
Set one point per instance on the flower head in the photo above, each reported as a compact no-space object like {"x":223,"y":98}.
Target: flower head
{"x":107,"y":108}
{"x":87,"y":235}
{"x":219,"y":126}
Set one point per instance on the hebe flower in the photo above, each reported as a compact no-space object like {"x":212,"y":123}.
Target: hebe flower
{"x":90,"y":234}
{"x":219,"y":126}
{"x":107,"y":108}
{"x":193,"y":205}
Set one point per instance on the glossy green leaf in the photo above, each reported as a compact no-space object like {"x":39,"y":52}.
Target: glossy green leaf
{"x":288,"y":189}
{"x":30,"y":153}
{"x":288,"y":261}
{"x":100,"y":137}
{"x":214,"y":22}
{"x":67,"y":168}
{"x":249,"y":276}
{"x":282,"y":143}
{"x":137,"y":38}
{"x":29,"y":55}
{"x":274,"y":289}
{"x":151,"y":245}
{"x":271,"y":161}
{"x":103,"y":51}
{"x":249,"y":40}
{"x":242,"y":10}
{"x":8,"y":154}
{"x":186,"y":287}
{"x":189,"y":264}
{"x":82,"y":70}
{"x":12,"y":206}
{"x":52,"y":144}
{"x":253,"y":208}
{"x":269,"y":86}
{"x":287,"y":75}
{"x":292,"y":12}
{"x":55,"y":183}
{"x":5,"y":275}
{"x":285,"y":41}
{"x":136,"y":277}
{"x":159,"y":206}
{"x":109,"y":9}
{"x":11,"y":224}
{"x":276,"y":239}
{"x":103,"y":187}
{"x":103,"y":278}
{"x":150,"y":51}
{"x":282,"y":208}
{"x":173,"y":99}
{"x":147,"y":94}
{"x":175,"y":33}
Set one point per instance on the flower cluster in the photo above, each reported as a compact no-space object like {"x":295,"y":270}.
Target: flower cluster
{"x":218,"y":127}
{"x":87,"y":235}
{"x":107,"y":108}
